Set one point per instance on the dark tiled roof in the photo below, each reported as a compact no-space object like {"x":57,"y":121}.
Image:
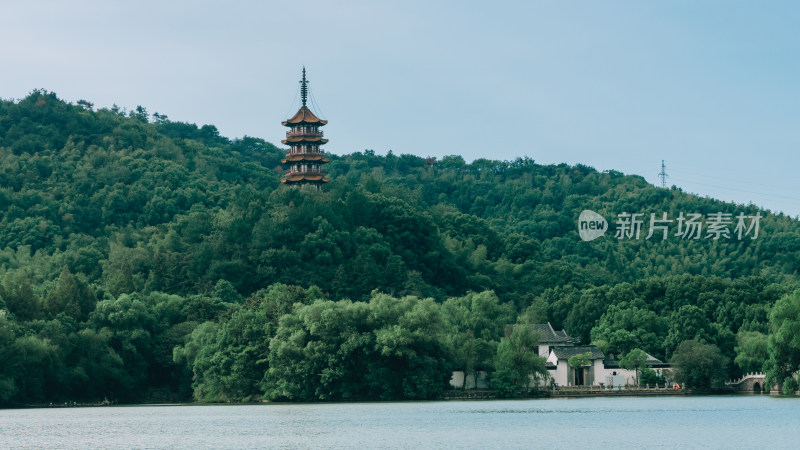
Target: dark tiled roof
{"x":298,"y":139}
{"x":304,"y":115}
{"x":568,"y":352}
{"x":652,"y":361}
{"x":611,"y":363}
{"x":547,"y":335}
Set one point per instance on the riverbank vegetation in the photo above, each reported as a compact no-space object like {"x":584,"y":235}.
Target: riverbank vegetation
{"x":147,"y":259}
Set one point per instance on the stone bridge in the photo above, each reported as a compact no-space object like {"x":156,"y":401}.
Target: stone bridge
{"x":752,"y":382}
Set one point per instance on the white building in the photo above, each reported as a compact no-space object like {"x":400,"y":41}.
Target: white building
{"x":613,"y":371}
{"x":557,"y":347}
{"x":565,"y":375}
{"x":550,"y":338}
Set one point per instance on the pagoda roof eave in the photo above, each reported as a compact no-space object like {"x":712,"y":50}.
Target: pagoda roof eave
{"x":297,"y":140}
{"x":305,"y":178}
{"x":299,"y":157}
{"x":304,"y":115}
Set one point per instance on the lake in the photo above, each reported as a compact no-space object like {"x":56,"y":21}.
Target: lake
{"x":667,"y":422}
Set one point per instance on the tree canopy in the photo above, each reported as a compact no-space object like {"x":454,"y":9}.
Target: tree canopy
{"x":143,"y":258}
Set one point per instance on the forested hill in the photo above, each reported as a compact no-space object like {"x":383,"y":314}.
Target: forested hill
{"x":144,"y":205}
{"x":127,"y":205}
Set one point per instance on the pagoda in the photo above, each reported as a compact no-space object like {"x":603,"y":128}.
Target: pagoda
{"x":305,"y":159}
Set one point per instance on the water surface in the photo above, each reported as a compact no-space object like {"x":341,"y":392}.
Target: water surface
{"x":661,"y":422}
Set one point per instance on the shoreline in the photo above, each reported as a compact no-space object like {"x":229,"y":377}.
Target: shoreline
{"x":447,"y":396}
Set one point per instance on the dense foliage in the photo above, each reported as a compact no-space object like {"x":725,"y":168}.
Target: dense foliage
{"x":146,"y":259}
{"x":699,"y":365}
{"x":784,"y":342}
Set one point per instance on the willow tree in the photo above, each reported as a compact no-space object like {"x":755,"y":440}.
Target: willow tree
{"x":518,"y":365}
{"x":784,"y":339}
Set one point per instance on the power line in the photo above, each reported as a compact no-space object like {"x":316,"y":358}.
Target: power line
{"x":663,"y":175}
{"x":737,"y":181}
{"x":692,"y":177}
{"x":291,"y":109}
{"x":314,"y":104}
{"x":740,"y":190}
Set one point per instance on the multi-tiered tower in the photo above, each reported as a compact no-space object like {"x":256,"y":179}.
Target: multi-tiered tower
{"x":305,"y":159}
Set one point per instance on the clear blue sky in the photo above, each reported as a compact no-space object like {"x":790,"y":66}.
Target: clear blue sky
{"x":711,"y":87}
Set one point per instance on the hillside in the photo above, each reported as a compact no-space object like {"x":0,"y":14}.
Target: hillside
{"x":127,"y":238}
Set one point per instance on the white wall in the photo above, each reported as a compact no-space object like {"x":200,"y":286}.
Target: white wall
{"x":561,"y":374}
{"x":457,"y":380}
{"x":630,"y":375}
{"x":599,"y":372}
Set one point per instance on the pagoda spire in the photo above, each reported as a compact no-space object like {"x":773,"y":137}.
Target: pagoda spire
{"x":305,"y":158}
{"x":304,"y":87}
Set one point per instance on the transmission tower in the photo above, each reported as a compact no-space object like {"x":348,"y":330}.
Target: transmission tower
{"x":663,"y":175}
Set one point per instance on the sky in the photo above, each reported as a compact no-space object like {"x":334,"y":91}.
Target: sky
{"x":710,"y":87}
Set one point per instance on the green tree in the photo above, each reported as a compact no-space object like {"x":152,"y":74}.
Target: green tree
{"x":318,"y":350}
{"x":36,"y":368}
{"x":580,"y":360}
{"x":751,"y":351}
{"x":131,"y":325}
{"x":649,"y":377}
{"x":386,"y":349}
{"x":225,"y":291}
{"x":578,"y":363}
{"x":8,"y":387}
{"x":19,"y":297}
{"x":121,"y":282}
{"x":790,"y":386}
{"x":413,"y":362}
{"x":72,"y":296}
{"x":95,"y":370}
{"x":587,"y":311}
{"x":688,"y":322}
{"x":230,"y":367}
{"x":626,"y":327}
{"x":476,"y":323}
{"x":635,"y":360}
{"x":699,"y":366}
{"x":518,"y":364}
{"x":229,"y":360}
{"x":784,"y":339}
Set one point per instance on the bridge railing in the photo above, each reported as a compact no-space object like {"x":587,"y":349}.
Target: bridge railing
{"x":747,"y":376}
